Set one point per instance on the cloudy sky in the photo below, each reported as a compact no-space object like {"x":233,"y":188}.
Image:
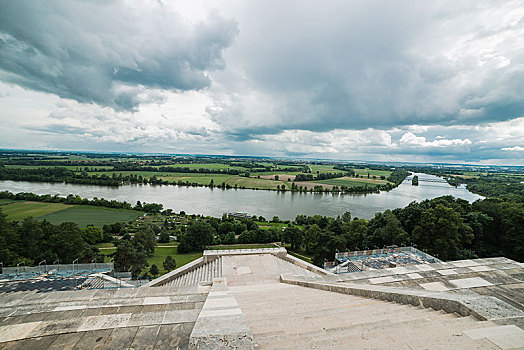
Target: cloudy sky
{"x":436,"y":81}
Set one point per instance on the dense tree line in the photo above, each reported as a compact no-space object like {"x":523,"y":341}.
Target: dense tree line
{"x":61,"y":174}
{"x":77,"y":200}
{"x":31,"y":241}
{"x":173,"y":169}
{"x":445,"y":227}
{"x":319,"y":176}
{"x":397,"y":176}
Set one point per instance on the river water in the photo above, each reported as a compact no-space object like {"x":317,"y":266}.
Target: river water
{"x":285,"y":205}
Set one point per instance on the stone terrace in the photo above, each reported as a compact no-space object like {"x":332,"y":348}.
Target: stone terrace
{"x":270,"y":300}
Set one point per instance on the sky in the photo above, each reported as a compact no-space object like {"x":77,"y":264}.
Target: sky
{"x":412,"y":81}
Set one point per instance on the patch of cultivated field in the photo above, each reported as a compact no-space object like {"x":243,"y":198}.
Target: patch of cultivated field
{"x":281,"y":177}
{"x":322,"y":169}
{"x":202,"y":179}
{"x":21,"y":210}
{"x":250,"y":182}
{"x":310,"y":184}
{"x":371,"y":172}
{"x":353,"y":182}
{"x":85,"y":215}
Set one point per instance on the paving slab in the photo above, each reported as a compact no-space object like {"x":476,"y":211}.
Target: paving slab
{"x":120,"y":338}
{"x":93,"y":340}
{"x":436,"y":286}
{"x":66,"y":341}
{"x":145,"y":337}
{"x":505,"y":337}
{"x":38,"y":342}
{"x":470,"y":282}
{"x":174,"y":336}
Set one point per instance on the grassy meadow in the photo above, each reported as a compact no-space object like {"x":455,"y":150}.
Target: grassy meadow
{"x":57,"y":213}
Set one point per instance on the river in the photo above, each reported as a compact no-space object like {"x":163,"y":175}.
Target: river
{"x":285,"y":205}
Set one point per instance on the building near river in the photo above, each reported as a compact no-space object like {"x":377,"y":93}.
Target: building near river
{"x":267,"y":299}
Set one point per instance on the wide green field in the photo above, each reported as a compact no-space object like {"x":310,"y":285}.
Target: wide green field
{"x":250,"y":182}
{"x":202,"y":179}
{"x":56,"y":213}
{"x":351,"y":182}
{"x":322,"y":169}
{"x":6,"y":201}
{"x":371,"y":172}
{"x":85,"y":215}
{"x":21,"y":210}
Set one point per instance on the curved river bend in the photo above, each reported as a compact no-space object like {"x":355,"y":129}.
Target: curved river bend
{"x":285,"y":205}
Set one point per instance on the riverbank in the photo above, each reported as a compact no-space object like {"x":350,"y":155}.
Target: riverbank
{"x":286,"y":205}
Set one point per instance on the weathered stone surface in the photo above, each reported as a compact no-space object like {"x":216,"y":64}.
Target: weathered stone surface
{"x":221,"y":323}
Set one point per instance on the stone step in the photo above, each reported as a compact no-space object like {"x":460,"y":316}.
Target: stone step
{"x":397,"y":331}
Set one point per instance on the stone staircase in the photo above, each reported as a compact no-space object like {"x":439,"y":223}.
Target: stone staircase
{"x":123,"y":318}
{"x":204,"y":273}
{"x":291,"y":317}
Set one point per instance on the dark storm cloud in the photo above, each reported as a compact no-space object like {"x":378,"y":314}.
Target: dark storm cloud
{"x":105,"y":51}
{"x":354,"y":65}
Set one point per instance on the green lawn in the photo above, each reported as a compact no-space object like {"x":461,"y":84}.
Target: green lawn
{"x":6,"y":201}
{"x":266,"y":225}
{"x":21,"y":210}
{"x":159,"y":256}
{"x":85,"y":215}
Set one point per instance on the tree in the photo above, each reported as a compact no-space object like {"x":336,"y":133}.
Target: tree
{"x":442,"y":232}
{"x":225,"y":227}
{"x":153,"y":270}
{"x":169,"y":263}
{"x":295,"y":236}
{"x":239,"y":227}
{"x":346,"y":217}
{"x":8,"y":241}
{"x":124,"y":255}
{"x":310,"y":237}
{"x":92,"y":234}
{"x":164,"y":237}
{"x":229,"y":238}
{"x":127,"y":257}
{"x":199,"y":234}
{"x":144,"y":240}
{"x":67,"y":242}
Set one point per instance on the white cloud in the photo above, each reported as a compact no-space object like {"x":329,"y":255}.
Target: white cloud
{"x":354,"y":80}
{"x":513,"y":149}
{"x":410,"y":139}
